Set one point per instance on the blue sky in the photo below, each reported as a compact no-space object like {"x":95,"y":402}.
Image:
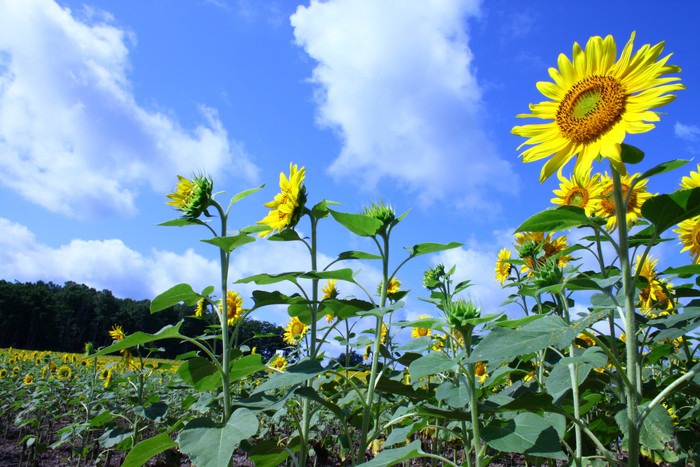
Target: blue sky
{"x":103,"y":103}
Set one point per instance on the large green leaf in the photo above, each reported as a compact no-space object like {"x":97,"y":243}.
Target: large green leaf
{"x":228,"y":244}
{"x":344,"y":309}
{"x":265,"y":279}
{"x":345,"y":255}
{"x":245,"y":366}
{"x":527,"y":433}
{"x":268,"y":454}
{"x":425,"y":248}
{"x":209,"y":445}
{"x":243,"y":194}
{"x":631,"y":154}
{"x":202,"y":374}
{"x":664,"y":167}
{"x":656,"y":430}
{"x":344,"y":274}
{"x":454,"y":395}
{"x":296,"y":374}
{"x":503,"y":344}
{"x":141,"y":338}
{"x":553,"y":220}
{"x":430,"y":364}
{"x":181,"y":222}
{"x":390,"y":457}
{"x":359,"y":224}
{"x":263,"y":298}
{"x":147,"y":449}
{"x":665,"y":211}
{"x":173,"y":296}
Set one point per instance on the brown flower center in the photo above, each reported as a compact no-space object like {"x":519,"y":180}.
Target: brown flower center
{"x":576,"y":197}
{"x":591,"y":108}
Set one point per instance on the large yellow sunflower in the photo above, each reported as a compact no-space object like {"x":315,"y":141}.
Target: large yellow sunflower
{"x":606,"y":206}
{"x":595,"y":102}
{"x":295,"y":331}
{"x":692,"y":180}
{"x":285,"y":209}
{"x":234,"y":307}
{"x":689,"y":234}
{"x":582,"y":190}
{"x":503,"y":266}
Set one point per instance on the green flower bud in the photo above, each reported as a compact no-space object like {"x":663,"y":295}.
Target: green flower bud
{"x":548,"y":273}
{"x":384,"y":213}
{"x":192,"y":197}
{"x":529,"y":249}
{"x":461,"y":312}
{"x":433,"y":277}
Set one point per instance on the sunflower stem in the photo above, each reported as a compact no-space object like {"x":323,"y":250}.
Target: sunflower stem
{"x":634,"y":389}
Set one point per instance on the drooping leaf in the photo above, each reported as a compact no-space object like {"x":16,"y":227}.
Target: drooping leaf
{"x":147,"y":449}
{"x":346,"y":255}
{"x":631,"y":154}
{"x":264,"y":298}
{"x":141,"y":338}
{"x":173,"y":296}
{"x":210,"y":445}
{"x":320,"y":210}
{"x":228,"y":244}
{"x":359,"y":224}
{"x":656,"y":430}
{"x":181,"y":222}
{"x":202,"y":374}
{"x":268,"y":454}
{"x":245,"y":366}
{"x":345,"y":274}
{"x":430,"y":364}
{"x":527,"y":433}
{"x":296,"y":374}
{"x":265,"y":279}
{"x":425,"y":248}
{"x":454,"y":395}
{"x":553,"y":220}
{"x":665,"y":211}
{"x":389,"y":457}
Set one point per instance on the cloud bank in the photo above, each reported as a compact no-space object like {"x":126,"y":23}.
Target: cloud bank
{"x":396,"y":80}
{"x":73,"y":139}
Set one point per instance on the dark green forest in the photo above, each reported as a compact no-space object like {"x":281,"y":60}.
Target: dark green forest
{"x":62,"y":318}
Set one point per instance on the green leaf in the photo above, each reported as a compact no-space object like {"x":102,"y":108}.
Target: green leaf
{"x":246,"y":366}
{"x":173,"y":296}
{"x":425,"y":248}
{"x":320,"y":210}
{"x":343,"y":309}
{"x":228,"y":244}
{"x":502,"y":344}
{"x":359,"y":224}
{"x":264,"y":279}
{"x":454,"y":395}
{"x":268,"y":454}
{"x":527,"y":433}
{"x":631,"y":154}
{"x":141,"y":338}
{"x":181,"y":222}
{"x":656,"y":430}
{"x":154,"y":412}
{"x":381,"y":311}
{"x":391,"y":386}
{"x":263,"y":298}
{"x":687,"y":270}
{"x":243,"y":194}
{"x":430,"y":364}
{"x":390,"y":457}
{"x":345,"y":274}
{"x":287,"y":235}
{"x":665,"y":211}
{"x":212,"y":446}
{"x":664,"y":167}
{"x":147,"y":449}
{"x":356,"y":255}
{"x":553,"y":220}
{"x":297,"y":374}
{"x":202,"y":374}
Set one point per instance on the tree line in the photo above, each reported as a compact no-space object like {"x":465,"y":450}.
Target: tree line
{"x":63,"y":318}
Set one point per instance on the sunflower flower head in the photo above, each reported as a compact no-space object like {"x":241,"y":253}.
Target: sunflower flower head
{"x":199,"y":308}
{"x":433,"y":278}
{"x":193,"y":196}
{"x":535,"y":248}
{"x":288,"y":205}
{"x":64,"y":373}
{"x":384,"y":213}
{"x":646,"y":268}
{"x":692,"y":180}
{"x":329,"y":291}
{"x":417,"y":332}
{"x":234,"y":307}
{"x":278,"y":362}
{"x":595,"y":101}
{"x":548,"y":273}
{"x":461,"y":313}
{"x":480,"y":372}
{"x":689,"y":234}
{"x":503,"y":266}
{"x":28,"y":379}
{"x":636,"y":196}
{"x":581,"y":190}
{"x":117,"y":333}
{"x":295,"y":331}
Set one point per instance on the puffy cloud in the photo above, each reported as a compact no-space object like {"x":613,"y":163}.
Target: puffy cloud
{"x":73,"y":139}
{"x":396,"y":80}
{"x":687,"y":132}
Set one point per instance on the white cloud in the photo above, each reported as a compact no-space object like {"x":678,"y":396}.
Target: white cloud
{"x":687,"y":132}
{"x":396,"y":79}
{"x":73,"y":139}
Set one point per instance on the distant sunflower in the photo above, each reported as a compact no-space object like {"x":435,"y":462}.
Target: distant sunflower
{"x":116,"y":333}
{"x":234,"y":307}
{"x":286,"y":207}
{"x":647,"y":269}
{"x":582,"y":190}
{"x":595,"y":102}
{"x":64,"y":373}
{"x":480,"y":372}
{"x":329,"y":291}
{"x":417,"y":332}
{"x":199,"y":309}
{"x":636,"y":198}
{"x":689,"y":234}
{"x":28,"y":379}
{"x":295,"y":331}
{"x":503,"y":266}
{"x":278,"y":362}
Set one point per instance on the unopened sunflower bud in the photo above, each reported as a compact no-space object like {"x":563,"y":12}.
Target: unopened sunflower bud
{"x":433,"y":277}
{"x":548,"y":273}
{"x":529,"y":249}
{"x":384,"y":213}
{"x":192,"y":197}
{"x":461,"y":312}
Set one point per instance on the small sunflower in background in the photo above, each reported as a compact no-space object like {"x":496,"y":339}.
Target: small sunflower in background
{"x":580,"y":190}
{"x":503,"y":266}
{"x":64,"y":373}
{"x":636,"y":196}
{"x":295,"y":331}
{"x":417,"y":332}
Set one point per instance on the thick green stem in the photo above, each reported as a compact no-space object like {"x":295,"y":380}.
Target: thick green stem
{"x":224,"y":257}
{"x":573,"y":373}
{"x":634,"y":390}
{"x":473,"y":397}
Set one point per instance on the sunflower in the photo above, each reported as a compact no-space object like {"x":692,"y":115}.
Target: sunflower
{"x":655,"y":299}
{"x":199,"y":309}
{"x":28,"y":379}
{"x":329,"y":290}
{"x":588,"y":340}
{"x":689,"y":234}
{"x":646,"y":269}
{"x":286,"y":207}
{"x":116,"y":333}
{"x":191,"y":197}
{"x":582,"y":190}
{"x":636,"y":198}
{"x":549,"y":247}
{"x":64,"y":373}
{"x":382,"y":340}
{"x":419,"y":331}
{"x":503,"y":266}
{"x":595,"y":102}
{"x":295,"y":331}
{"x":278,"y":362}
{"x":480,"y":372}
{"x":234,"y":307}
{"x":692,"y":180}
{"x":3,"y":373}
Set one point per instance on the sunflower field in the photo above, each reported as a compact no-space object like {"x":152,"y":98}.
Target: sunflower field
{"x":617,"y":384}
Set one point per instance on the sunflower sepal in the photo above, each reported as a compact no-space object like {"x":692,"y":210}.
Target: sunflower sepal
{"x":631,"y":154}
